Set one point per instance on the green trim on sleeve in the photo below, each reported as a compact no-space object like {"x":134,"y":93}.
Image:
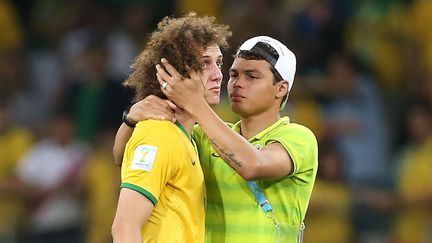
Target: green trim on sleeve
{"x":143,"y":191}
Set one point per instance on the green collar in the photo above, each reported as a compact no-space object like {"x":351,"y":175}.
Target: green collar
{"x":183,"y":129}
{"x":281,"y":121}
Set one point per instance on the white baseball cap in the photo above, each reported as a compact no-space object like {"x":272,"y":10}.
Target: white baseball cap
{"x":284,"y":62}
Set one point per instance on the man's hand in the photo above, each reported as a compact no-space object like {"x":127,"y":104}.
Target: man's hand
{"x":187,"y":93}
{"x":152,"y":107}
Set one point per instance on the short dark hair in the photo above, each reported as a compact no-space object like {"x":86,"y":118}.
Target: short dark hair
{"x":249,"y":55}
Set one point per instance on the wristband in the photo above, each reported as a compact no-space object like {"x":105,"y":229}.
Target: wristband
{"x":130,"y":123}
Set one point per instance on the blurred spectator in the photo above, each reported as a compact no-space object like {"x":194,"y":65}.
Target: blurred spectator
{"x":94,"y":101}
{"x":329,"y":215}
{"x":209,"y":7}
{"x":136,"y":19}
{"x":246,"y":22}
{"x":320,"y":25}
{"x":14,"y":142}
{"x":419,"y":19}
{"x":413,"y":178}
{"x":10,"y":27}
{"x":51,"y":174}
{"x":123,"y":42}
{"x":90,"y":23}
{"x":427,"y":88}
{"x":355,"y":120}
{"x":253,"y":18}
{"x":41,"y":66}
{"x":101,"y":182}
{"x":303,"y":107}
{"x":410,"y":199}
{"x":12,"y":73}
{"x":384,"y":46}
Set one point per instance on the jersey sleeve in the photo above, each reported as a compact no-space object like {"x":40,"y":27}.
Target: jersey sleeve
{"x":149,"y":162}
{"x":301,"y":145}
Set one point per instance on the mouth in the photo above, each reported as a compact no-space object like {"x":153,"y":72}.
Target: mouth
{"x":215,"y":89}
{"x":236,"y":97}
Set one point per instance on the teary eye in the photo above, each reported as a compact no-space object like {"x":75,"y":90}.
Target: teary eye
{"x":219,"y":64}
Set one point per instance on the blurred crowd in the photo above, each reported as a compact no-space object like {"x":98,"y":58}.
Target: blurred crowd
{"x":363,"y":85}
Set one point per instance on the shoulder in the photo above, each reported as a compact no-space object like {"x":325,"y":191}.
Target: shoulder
{"x":294,"y":136}
{"x":299,"y":142}
{"x":294,"y":131}
{"x":154,"y":140}
{"x":161,"y":133}
{"x":154,"y":128}
{"x":160,"y":124}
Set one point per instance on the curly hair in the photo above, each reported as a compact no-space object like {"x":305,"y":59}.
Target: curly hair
{"x":179,"y":40}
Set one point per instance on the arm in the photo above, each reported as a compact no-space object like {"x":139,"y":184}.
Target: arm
{"x":142,"y":185}
{"x":152,"y":107}
{"x":273,"y":161}
{"x":133,"y":211}
{"x":122,"y":136}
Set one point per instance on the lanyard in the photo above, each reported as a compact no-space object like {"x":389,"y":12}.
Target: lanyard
{"x":263,"y":202}
{"x":268,"y":209}
{"x":260,"y":197}
{"x":269,"y":212}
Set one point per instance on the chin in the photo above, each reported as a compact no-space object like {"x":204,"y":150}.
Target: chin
{"x":236,"y":108}
{"x":213,"y":100}
{"x":240,"y":110}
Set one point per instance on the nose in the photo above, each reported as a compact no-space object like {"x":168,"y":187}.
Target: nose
{"x":236,"y":81}
{"x":216,"y":73}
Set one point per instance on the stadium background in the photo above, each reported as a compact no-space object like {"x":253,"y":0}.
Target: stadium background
{"x":363,"y":85}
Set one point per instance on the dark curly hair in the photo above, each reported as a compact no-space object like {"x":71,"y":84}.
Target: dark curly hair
{"x":181,"y":42}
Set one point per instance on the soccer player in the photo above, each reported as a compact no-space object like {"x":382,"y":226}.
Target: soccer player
{"x":259,"y":172}
{"x":162,"y":193}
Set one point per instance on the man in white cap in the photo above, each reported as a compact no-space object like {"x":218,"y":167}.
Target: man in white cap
{"x":259,"y":172}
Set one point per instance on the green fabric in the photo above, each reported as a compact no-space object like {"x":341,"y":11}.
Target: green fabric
{"x":140,"y":190}
{"x":179,"y":125}
{"x":88,"y":103}
{"x":232,"y":213}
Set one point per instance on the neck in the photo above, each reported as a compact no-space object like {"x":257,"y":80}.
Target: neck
{"x":185,"y":120}
{"x":252,"y":125}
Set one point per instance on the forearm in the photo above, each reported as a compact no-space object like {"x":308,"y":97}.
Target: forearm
{"x":121,"y":138}
{"x":235,"y":150}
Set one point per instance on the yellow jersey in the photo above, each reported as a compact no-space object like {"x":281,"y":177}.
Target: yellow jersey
{"x":14,"y":143}
{"x":161,"y":163}
{"x":414,"y":181}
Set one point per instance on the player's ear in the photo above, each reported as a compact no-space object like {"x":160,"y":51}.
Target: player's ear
{"x":282,"y":89}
